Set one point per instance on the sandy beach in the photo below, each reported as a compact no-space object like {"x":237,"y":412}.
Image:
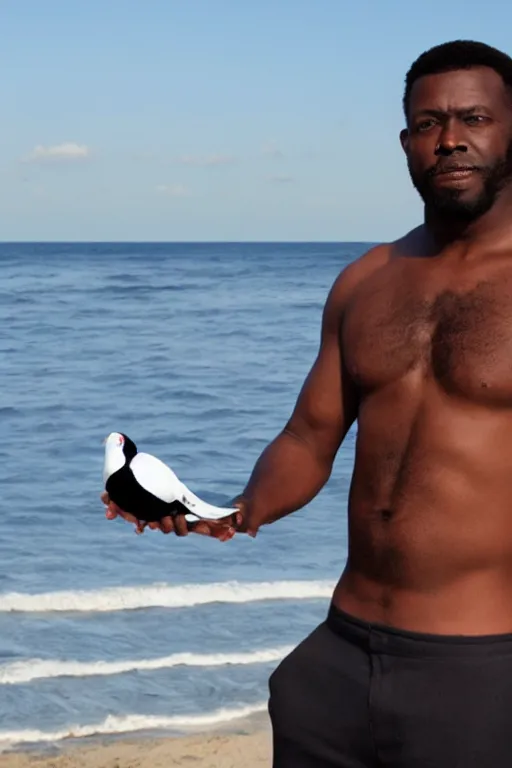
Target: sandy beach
{"x":212,"y":750}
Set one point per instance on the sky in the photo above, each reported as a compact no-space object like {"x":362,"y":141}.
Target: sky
{"x":215,"y":120}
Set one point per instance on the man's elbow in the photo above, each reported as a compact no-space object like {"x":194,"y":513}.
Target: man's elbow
{"x":322,"y":446}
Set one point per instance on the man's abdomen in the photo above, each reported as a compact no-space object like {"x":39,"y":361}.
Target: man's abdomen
{"x":430,"y":519}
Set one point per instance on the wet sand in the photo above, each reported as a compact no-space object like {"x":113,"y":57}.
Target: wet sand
{"x":246,"y":749}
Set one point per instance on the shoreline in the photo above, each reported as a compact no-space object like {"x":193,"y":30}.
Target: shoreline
{"x":247,"y":743}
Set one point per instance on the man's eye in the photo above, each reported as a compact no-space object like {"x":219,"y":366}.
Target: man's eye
{"x":474,"y":119}
{"x":425,"y":125}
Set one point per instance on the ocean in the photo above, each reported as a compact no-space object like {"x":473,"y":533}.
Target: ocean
{"x":197,"y":352}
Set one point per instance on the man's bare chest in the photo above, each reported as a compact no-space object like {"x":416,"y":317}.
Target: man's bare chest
{"x":459,"y":334}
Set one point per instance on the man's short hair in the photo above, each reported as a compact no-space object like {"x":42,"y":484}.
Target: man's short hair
{"x":458,"y":54}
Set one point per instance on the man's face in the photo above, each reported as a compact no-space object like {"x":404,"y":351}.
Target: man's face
{"x":459,"y":141}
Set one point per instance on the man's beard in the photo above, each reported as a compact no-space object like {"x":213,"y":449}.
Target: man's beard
{"x":450,"y":203}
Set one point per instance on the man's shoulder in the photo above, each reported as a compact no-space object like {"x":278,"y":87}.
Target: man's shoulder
{"x":376,"y":258}
{"x":359,"y":270}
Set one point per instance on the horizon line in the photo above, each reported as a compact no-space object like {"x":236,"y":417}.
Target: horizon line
{"x":183,"y":242}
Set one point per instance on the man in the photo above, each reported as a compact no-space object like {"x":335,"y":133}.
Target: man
{"x":413,"y":666}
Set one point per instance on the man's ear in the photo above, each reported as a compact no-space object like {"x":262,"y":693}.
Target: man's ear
{"x":404,"y":139}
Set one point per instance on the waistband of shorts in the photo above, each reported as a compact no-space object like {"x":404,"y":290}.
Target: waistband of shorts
{"x":378,"y":638}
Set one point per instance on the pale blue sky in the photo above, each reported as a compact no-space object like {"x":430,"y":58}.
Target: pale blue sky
{"x":214,"y":119}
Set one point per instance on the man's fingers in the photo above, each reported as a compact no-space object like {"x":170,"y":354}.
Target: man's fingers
{"x":223,"y":530}
{"x":214,"y":530}
{"x":202,"y":528}
{"x":114,"y":511}
{"x":180,"y":525}
{"x":227,"y":534}
{"x":166,"y":525}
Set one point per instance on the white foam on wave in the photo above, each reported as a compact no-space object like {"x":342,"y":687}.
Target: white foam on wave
{"x":114,"y":724}
{"x":162,"y":596}
{"x":37,"y":669}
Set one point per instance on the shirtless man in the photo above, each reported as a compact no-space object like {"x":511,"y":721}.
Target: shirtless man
{"x":413,"y":666}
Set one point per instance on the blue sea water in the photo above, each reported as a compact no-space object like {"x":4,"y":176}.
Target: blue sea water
{"x":198,"y":352}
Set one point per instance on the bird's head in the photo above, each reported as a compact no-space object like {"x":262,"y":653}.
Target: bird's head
{"x":119,"y":450}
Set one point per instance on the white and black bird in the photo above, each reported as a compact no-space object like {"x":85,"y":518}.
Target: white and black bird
{"x":147,"y":488}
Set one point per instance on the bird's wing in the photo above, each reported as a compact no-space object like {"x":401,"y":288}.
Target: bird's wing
{"x":159,"y":479}
{"x":156,"y":477}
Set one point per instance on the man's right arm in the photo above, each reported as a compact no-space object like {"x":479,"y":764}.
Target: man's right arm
{"x":298,"y":462}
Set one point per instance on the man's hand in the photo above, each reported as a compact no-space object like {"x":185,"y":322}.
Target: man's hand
{"x":223,"y":529}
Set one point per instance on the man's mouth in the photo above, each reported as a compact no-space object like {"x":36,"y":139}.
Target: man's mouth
{"x":452,"y":174}
{"x":454,"y":171}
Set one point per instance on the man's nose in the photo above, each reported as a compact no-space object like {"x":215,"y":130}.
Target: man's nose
{"x":450,"y":141}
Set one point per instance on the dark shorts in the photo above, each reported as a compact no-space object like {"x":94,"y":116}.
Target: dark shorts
{"x":355,"y":695}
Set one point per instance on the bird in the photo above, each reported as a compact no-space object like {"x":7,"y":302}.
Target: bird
{"x":145,"y":487}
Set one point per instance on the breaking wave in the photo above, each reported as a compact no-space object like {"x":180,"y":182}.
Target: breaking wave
{"x":162,"y":596}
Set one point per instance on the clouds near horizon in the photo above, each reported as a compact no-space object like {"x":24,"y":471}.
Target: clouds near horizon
{"x":67,"y":151}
